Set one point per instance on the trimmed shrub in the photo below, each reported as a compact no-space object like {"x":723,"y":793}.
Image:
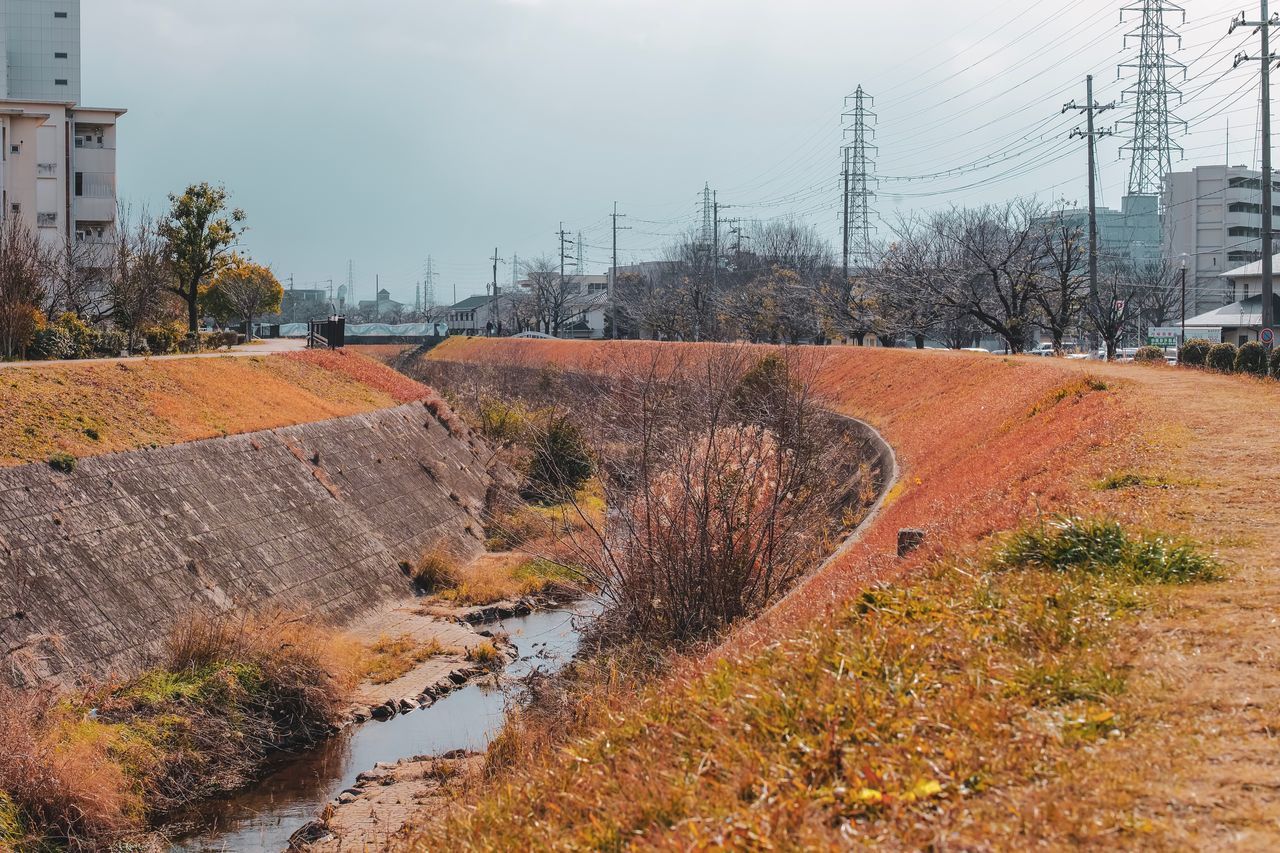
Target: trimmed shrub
{"x":51,"y":342}
{"x":1195,"y":352}
{"x":561,"y":462}
{"x":162,"y":340}
{"x":1222,"y":358}
{"x":1149,"y":355}
{"x":1252,"y":359}
{"x":110,"y":344}
{"x":1275,"y":364}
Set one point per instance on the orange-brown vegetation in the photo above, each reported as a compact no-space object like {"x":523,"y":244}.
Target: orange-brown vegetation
{"x":967,"y":705}
{"x":88,"y":409}
{"x":365,"y":371}
{"x":89,"y":769}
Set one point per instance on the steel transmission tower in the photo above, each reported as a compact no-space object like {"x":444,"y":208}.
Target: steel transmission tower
{"x":859,"y":179}
{"x":1151,"y":144}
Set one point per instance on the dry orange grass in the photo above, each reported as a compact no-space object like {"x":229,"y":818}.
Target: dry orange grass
{"x":987,"y":443}
{"x":88,"y":409}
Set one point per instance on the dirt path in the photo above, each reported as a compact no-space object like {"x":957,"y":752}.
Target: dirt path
{"x":1202,"y":770}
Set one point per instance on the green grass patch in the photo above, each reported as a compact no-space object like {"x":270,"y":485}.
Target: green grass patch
{"x":1103,"y":546}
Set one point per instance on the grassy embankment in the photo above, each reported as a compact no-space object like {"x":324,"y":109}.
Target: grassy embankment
{"x":89,"y":409}
{"x":93,"y":768}
{"x":986,"y":698}
{"x":96,"y":766}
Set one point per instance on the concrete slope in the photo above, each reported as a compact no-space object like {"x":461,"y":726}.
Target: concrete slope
{"x":97,"y":564}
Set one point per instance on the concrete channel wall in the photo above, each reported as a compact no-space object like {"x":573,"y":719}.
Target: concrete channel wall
{"x":96,"y":565}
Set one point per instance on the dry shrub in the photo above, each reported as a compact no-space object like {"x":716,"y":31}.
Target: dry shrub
{"x":435,"y":570}
{"x":722,"y":477}
{"x":62,"y":779}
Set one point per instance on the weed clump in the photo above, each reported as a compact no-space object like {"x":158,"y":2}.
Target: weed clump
{"x":485,"y":654}
{"x":435,"y":570}
{"x":63,"y":463}
{"x":1104,"y":547}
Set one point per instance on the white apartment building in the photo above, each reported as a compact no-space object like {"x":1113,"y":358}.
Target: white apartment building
{"x":1213,"y":218}
{"x":57,"y":159}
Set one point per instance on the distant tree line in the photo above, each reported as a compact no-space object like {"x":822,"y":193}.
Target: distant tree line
{"x":1012,"y":272}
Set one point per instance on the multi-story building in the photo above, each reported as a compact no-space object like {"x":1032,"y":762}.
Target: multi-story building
{"x":1213,"y":220}
{"x":1130,"y":235}
{"x":42,"y":50}
{"x":57,"y":159}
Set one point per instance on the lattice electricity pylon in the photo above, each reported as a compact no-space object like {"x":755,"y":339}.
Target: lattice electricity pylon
{"x":1151,"y":144}
{"x":859,"y":179}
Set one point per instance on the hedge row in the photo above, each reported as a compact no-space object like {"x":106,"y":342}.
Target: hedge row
{"x":1249,"y":358}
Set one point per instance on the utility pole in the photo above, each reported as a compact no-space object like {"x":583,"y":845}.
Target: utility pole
{"x":613,"y":274}
{"x":844,"y":220}
{"x":495,"y":270}
{"x":1090,"y":109}
{"x":564,"y":243}
{"x":715,"y":243}
{"x":1263,"y":25}
{"x":1183,"y":338}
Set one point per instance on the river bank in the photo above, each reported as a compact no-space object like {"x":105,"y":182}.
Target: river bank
{"x":457,"y":706}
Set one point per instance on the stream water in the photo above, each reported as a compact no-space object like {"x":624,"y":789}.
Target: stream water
{"x":264,"y":816}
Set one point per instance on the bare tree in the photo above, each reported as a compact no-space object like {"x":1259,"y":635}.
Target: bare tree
{"x":1117,"y":304}
{"x":24,"y":269}
{"x":550,"y":295}
{"x":1001,"y":259}
{"x":1064,"y":282}
{"x":1159,"y":295}
{"x":139,"y":276}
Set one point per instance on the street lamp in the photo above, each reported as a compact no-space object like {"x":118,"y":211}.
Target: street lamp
{"x":1183,"y":340}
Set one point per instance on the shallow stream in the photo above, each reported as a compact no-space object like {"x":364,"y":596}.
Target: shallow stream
{"x":264,"y":816}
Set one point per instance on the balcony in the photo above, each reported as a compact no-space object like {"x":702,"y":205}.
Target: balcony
{"x":95,"y":160}
{"x":90,"y":209}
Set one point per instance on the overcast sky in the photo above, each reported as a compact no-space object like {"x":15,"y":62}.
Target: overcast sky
{"x":386,"y":131}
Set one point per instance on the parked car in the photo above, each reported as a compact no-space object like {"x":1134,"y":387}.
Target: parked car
{"x":1044,"y":349}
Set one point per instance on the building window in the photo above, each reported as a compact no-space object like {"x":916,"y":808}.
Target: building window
{"x":1244,"y":231}
{"x":46,"y":220}
{"x":79,"y":183}
{"x":59,"y":55}
{"x":59,"y":14}
{"x":59,"y":82}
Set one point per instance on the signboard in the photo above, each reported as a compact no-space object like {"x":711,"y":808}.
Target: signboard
{"x":1212,"y":334}
{"x":1162,"y":340}
{"x":1267,"y":336}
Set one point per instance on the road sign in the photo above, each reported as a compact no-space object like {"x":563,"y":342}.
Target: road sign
{"x":1267,"y":336}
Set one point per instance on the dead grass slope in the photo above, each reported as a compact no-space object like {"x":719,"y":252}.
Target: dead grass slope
{"x":986,"y":444}
{"x":89,"y":409}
